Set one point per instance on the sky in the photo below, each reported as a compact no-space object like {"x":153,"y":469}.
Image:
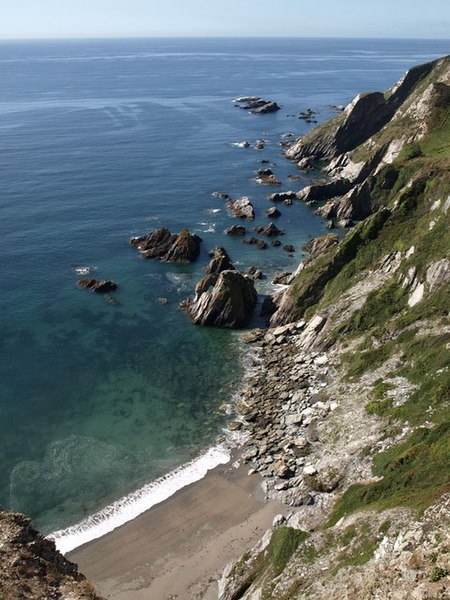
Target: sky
{"x":25,"y":19}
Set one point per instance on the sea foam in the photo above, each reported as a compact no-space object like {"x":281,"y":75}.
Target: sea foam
{"x":129,"y":507}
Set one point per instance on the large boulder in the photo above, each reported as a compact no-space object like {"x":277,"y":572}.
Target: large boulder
{"x":271,"y":230}
{"x":228,"y":304}
{"x":256,"y":105}
{"x":179,"y":248}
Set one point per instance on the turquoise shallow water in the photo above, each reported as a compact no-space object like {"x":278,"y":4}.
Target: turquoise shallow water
{"x":102,"y":140}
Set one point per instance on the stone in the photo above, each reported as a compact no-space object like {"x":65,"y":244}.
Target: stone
{"x":283,"y":278}
{"x":220,"y":261}
{"x":273,"y":212}
{"x":221,"y":196}
{"x":262,"y":245}
{"x":271,"y":230}
{"x":229,"y":304}
{"x":242,"y":208}
{"x":256,"y":105}
{"x":275,"y":243}
{"x":181,"y":248}
{"x":101,"y":287}
{"x":321,"y":244}
{"x":310,"y":470}
{"x":237,"y":230}
{"x":289,"y":248}
{"x":267,"y":177}
{"x":255,"y":273}
{"x":278,"y":520}
{"x":437,"y":274}
{"x":281,"y":196}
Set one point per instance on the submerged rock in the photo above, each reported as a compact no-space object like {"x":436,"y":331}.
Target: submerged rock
{"x":182,"y":248}
{"x":262,"y":245}
{"x":101,"y":287}
{"x":229,"y":304}
{"x":267,"y":177}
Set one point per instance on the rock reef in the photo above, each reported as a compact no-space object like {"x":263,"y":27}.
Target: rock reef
{"x":179,"y":248}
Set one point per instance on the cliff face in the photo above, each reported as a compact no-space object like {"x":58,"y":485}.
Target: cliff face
{"x":349,"y":419}
{"x":32,"y":568}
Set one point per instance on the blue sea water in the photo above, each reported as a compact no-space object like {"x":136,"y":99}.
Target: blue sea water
{"x":102,"y":140}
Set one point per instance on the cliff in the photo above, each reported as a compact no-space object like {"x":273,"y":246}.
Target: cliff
{"x":348,"y":419}
{"x":32,"y":568}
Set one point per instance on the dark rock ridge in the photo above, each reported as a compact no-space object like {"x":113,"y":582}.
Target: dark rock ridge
{"x":256,"y":105}
{"x":273,"y":212}
{"x":235,"y":230}
{"x":282,"y":196}
{"x":102,"y":287}
{"x":179,"y":248}
{"x":242,"y":208}
{"x":32,"y":569}
{"x":271,"y":230}
{"x":252,"y":241}
{"x":229,"y":304}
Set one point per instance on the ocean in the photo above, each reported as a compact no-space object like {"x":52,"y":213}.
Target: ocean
{"x":106,"y":409}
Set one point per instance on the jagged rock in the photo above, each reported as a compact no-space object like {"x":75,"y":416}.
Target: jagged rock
{"x":275,"y":243}
{"x":229,"y":304}
{"x":31,"y":568}
{"x":437,"y":274}
{"x":305,"y":164}
{"x":255,"y":273}
{"x":273,"y":212}
{"x":281,"y":196}
{"x":321,"y":244}
{"x":262,"y":245}
{"x":282,"y":278}
{"x":102,"y":287}
{"x":267,"y":177}
{"x":320,"y":193}
{"x":235,"y":230}
{"x":182,"y":248}
{"x":329,"y":224}
{"x":242,"y":208}
{"x":256,"y":105}
{"x":289,"y":248}
{"x":220,"y":261}
{"x":271,"y":230}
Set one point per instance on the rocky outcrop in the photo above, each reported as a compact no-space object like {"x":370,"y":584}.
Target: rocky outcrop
{"x":282,"y":196}
{"x":252,"y":241}
{"x":242,"y":208}
{"x":237,"y":230}
{"x":32,"y":568}
{"x":273,"y":212}
{"x":267,"y":177}
{"x":321,"y":244}
{"x":102,"y":287}
{"x":271,"y":230}
{"x":179,"y":248}
{"x":226,"y":300}
{"x":220,"y":261}
{"x":256,"y":105}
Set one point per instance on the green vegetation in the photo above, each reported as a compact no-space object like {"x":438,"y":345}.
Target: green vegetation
{"x":284,"y":542}
{"x":437,"y":574}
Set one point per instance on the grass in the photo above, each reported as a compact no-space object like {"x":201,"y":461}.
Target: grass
{"x":283,"y":544}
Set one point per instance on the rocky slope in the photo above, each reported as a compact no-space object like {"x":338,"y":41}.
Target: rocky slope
{"x":347,"y":409}
{"x":32,"y":568}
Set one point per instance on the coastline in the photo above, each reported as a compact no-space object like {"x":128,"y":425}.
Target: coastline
{"x":194,"y":534}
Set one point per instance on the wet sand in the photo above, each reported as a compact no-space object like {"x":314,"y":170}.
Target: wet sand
{"x":179,"y":548}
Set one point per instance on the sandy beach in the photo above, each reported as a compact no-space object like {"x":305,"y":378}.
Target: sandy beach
{"x":179,"y":548}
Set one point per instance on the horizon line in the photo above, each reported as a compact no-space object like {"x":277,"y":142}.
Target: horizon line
{"x":211,"y":37}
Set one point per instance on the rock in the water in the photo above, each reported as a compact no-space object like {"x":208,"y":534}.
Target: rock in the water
{"x":242,"y":208}
{"x":282,"y":278}
{"x":220,"y":261}
{"x":289,"y":248}
{"x":267,"y":177}
{"x":344,"y":223}
{"x":281,"y":196}
{"x":235,"y":230}
{"x":182,"y":248}
{"x":221,"y":196}
{"x":262,"y":245}
{"x":271,"y":230}
{"x":273,"y":212}
{"x":228,"y":304}
{"x":102,"y":287}
{"x":275,"y":243}
{"x":256,"y":105}
{"x":321,"y":244}
{"x":255,"y":273}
